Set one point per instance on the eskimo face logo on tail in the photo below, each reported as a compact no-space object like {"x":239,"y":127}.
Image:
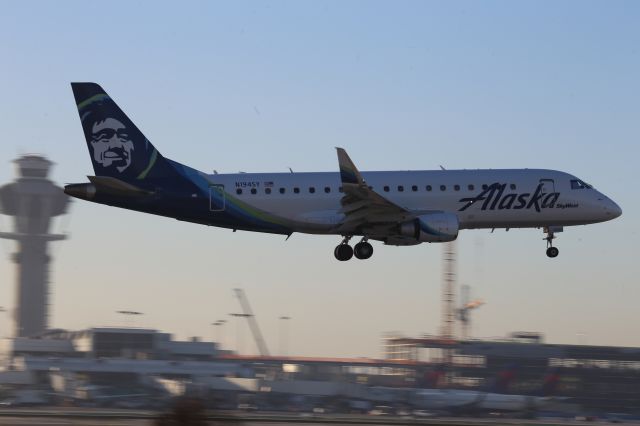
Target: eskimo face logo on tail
{"x":112,"y":144}
{"x":494,"y":198}
{"x":116,"y":146}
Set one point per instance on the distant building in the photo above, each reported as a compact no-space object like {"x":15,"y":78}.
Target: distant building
{"x":109,"y":356}
{"x":600,"y":377}
{"x":111,"y":342}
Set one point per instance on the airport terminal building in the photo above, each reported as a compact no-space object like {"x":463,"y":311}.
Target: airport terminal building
{"x":146,"y":361}
{"x":602,"y":378}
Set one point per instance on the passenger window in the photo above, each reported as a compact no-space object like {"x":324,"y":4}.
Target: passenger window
{"x":484,"y":186}
{"x":340,"y":189}
{"x":386,"y":188}
{"x":456,"y":187}
{"x":239,"y":191}
{"x":327,"y":189}
{"x":428,"y":187}
{"x":282,"y":190}
{"x":296,"y":190}
{"x":513,"y":186}
{"x":443,"y":188}
{"x":400,"y":188}
{"x":253,"y":191}
{"x":267,"y":190}
{"x":312,"y":190}
{"x":470,"y":187}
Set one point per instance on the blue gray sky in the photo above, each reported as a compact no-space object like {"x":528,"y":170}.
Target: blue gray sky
{"x":263,"y":86}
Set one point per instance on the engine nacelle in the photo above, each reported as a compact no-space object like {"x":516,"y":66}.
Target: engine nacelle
{"x":432,"y":228}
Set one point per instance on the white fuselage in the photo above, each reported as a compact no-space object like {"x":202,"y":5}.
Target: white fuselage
{"x":311,"y":201}
{"x":443,"y":399}
{"x":398,"y":208}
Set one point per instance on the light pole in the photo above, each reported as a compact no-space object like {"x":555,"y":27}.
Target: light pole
{"x":214,"y":335}
{"x":222,"y":323}
{"x":238,"y":320}
{"x":2,"y":309}
{"x":129,"y":315}
{"x":218,"y":324}
{"x":284,"y":334}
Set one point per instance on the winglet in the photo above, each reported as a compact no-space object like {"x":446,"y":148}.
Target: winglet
{"x":349,"y":174}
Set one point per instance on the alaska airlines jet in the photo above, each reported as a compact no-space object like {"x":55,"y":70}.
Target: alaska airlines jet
{"x":398,"y":208}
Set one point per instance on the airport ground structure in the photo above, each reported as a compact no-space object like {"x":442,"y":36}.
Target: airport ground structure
{"x":146,"y":368}
{"x":599,"y":378}
{"x":136,"y":368}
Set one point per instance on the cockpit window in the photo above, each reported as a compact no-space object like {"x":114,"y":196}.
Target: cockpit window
{"x":578,"y":184}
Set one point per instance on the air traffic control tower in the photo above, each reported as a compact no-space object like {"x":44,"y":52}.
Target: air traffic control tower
{"x":33,"y":201}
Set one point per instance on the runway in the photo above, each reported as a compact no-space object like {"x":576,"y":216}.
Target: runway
{"x":102,"y":417}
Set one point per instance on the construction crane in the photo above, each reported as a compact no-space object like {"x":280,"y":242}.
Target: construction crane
{"x":466,"y":306}
{"x":253,"y":324}
{"x":447,"y":323}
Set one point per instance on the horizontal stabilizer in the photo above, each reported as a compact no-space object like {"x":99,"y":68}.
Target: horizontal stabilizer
{"x":116,"y":186}
{"x":104,"y":185}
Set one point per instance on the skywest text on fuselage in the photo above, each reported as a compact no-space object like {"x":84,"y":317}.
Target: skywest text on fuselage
{"x":493,"y":198}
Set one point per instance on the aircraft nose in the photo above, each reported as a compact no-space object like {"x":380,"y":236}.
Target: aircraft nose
{"x":611,"y":209}
{"x":615,"y":209}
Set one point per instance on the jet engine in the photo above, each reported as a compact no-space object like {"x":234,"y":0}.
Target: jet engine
{"x":432,"y":228}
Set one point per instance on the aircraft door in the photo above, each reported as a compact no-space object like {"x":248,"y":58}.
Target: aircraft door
{"x":217,"y":200}
{"x":548,"y":186}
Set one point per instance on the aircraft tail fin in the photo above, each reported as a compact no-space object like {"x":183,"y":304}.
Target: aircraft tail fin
{"x":434,"y":378}
{"x":118,"y":148}
{"x":504,"y":379}
{"x":550,"y":382}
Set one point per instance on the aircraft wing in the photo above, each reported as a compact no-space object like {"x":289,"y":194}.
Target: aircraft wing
{"x":361,"y":205}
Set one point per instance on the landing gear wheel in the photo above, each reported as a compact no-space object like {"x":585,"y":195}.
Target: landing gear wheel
{"x":343,"y":252}
{"x":363,"y":250}
{"x":552,"y":252}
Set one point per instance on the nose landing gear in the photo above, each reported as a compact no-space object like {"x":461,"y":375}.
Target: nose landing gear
{"x":551,"y":250}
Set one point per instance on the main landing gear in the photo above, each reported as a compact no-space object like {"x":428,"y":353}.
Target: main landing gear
{"x":551,"y":250}
{"x":362,"y":250}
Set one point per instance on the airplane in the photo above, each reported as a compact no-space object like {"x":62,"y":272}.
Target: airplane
{"x":493,"y":399}
{"x":399,"y":208}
